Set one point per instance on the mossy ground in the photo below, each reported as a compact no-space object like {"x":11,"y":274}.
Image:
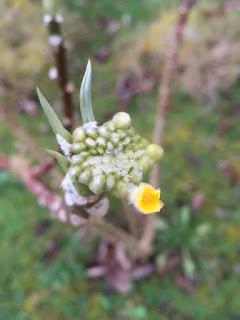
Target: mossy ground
{"x":38,"y":285}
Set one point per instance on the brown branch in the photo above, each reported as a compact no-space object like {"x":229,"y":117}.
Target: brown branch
{"x":169,"y":70}
{"x":21,"y":134}
{"x":30,"y":143}
{"x":59,"y":54}
{"x":43,"y":168}
{"x":58,"y":210}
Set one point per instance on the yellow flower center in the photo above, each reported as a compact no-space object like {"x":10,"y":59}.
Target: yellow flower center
{"x":147,"y":199}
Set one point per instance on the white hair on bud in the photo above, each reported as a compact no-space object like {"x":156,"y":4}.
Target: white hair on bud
{"x":54,"y":40}
{"x":90,"y":125}
{"x":64,"y":145}
{"x":71,"y":195}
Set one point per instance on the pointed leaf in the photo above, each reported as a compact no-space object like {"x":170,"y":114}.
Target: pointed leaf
{"x":62,"y":161}
{"x":188,"y":264}
{"x":53,"y":119}
{"x":85,"y":96}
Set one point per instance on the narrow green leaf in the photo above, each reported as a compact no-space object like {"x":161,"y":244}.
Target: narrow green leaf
{"x":85,"y":96}
{"x":53,"y":119}
{"x":188,"y":264}
{"x":62,"y":161}
{"x":185,"y":215}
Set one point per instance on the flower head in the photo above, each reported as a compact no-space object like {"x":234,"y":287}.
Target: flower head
{"x":146,"y":199}
{"x":110,"y":157}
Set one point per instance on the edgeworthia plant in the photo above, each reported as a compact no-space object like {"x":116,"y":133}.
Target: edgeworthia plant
{"x":110,"y":157}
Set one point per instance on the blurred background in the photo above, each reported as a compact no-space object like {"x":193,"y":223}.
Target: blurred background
{"x":43,"y":262}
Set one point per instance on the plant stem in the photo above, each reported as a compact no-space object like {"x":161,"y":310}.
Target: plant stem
{"x":59,"y":53}
{"x":113,"y":233}
{"x":169,"y":70}
{"x":131,"y":218}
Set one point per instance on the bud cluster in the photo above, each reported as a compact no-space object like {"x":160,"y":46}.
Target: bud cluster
{"x":110,"y":157}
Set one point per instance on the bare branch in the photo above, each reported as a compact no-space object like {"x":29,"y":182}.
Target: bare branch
{"x":61,"y":70}
{"x":168,"y":74}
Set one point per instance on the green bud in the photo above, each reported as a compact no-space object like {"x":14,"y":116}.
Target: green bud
{"x":110,"y":126}
{"x":93,"y":151}
{"x":85,"y":165}
{"x":90,"y":142}
{"x":136,"y":176}
{"x":110,"y":146}
{"x":79,"y":158}
{"x":103,"y":132}
{"x":78,"y":147}
{"x":130,"y":132}
{"x":79,"y":135}
{"x":91,"y":132}
{"x":97,"y":184}
{"x":101,"y":141}
{"x":145,"y":163}
{"x":100,"y":150}
{"x":121,"y":189}
{"x":155,"y":152}
{"x":110,"y":183}
{"x":115,"y":138}
{"x":85,"y":176}
{"x":122,"y":120}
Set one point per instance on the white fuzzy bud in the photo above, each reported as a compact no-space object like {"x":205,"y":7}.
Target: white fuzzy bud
{"x":79,"y":158}
{"x":101,"y":141}
{"x":110,"y":182}
{"x":78,"y":147}
{"x":110,"y":126}
{"x":115,"y":138}
{"x":155,"y":152}
{"x":79,"y":135}
{"x":97,"y":184}
{"x":90,"y":142}
{"x":91,"y":132}
{"x":145,"y":163}
{"x":122,"y":120}
{"x":103,"y":132}
{"x":85,"y":176}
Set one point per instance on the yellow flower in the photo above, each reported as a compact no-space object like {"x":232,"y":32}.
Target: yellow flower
{"x":146,"y":199}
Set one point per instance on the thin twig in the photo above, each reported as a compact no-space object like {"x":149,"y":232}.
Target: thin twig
{"x":21,"y":134}
{"x":29,"y":142}
{"x":169,"y":70}
{"x":58,"y":210}
{"x":131,"y":218}
{"x":61,"y":71}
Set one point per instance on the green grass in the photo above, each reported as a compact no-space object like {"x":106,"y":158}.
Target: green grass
{"x":33,"y":288}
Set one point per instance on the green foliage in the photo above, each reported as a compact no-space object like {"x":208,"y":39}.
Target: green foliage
{"x":86,"y":95}
{"x":32,"y":288}
{"x":209,"y":57}
{"x":55,"y":123}
{"x":22,"y":47}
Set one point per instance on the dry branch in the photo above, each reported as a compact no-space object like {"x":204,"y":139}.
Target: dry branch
{"x":61,"y":71}
{"x":170,"y":67}
{"x":58,"y":210}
